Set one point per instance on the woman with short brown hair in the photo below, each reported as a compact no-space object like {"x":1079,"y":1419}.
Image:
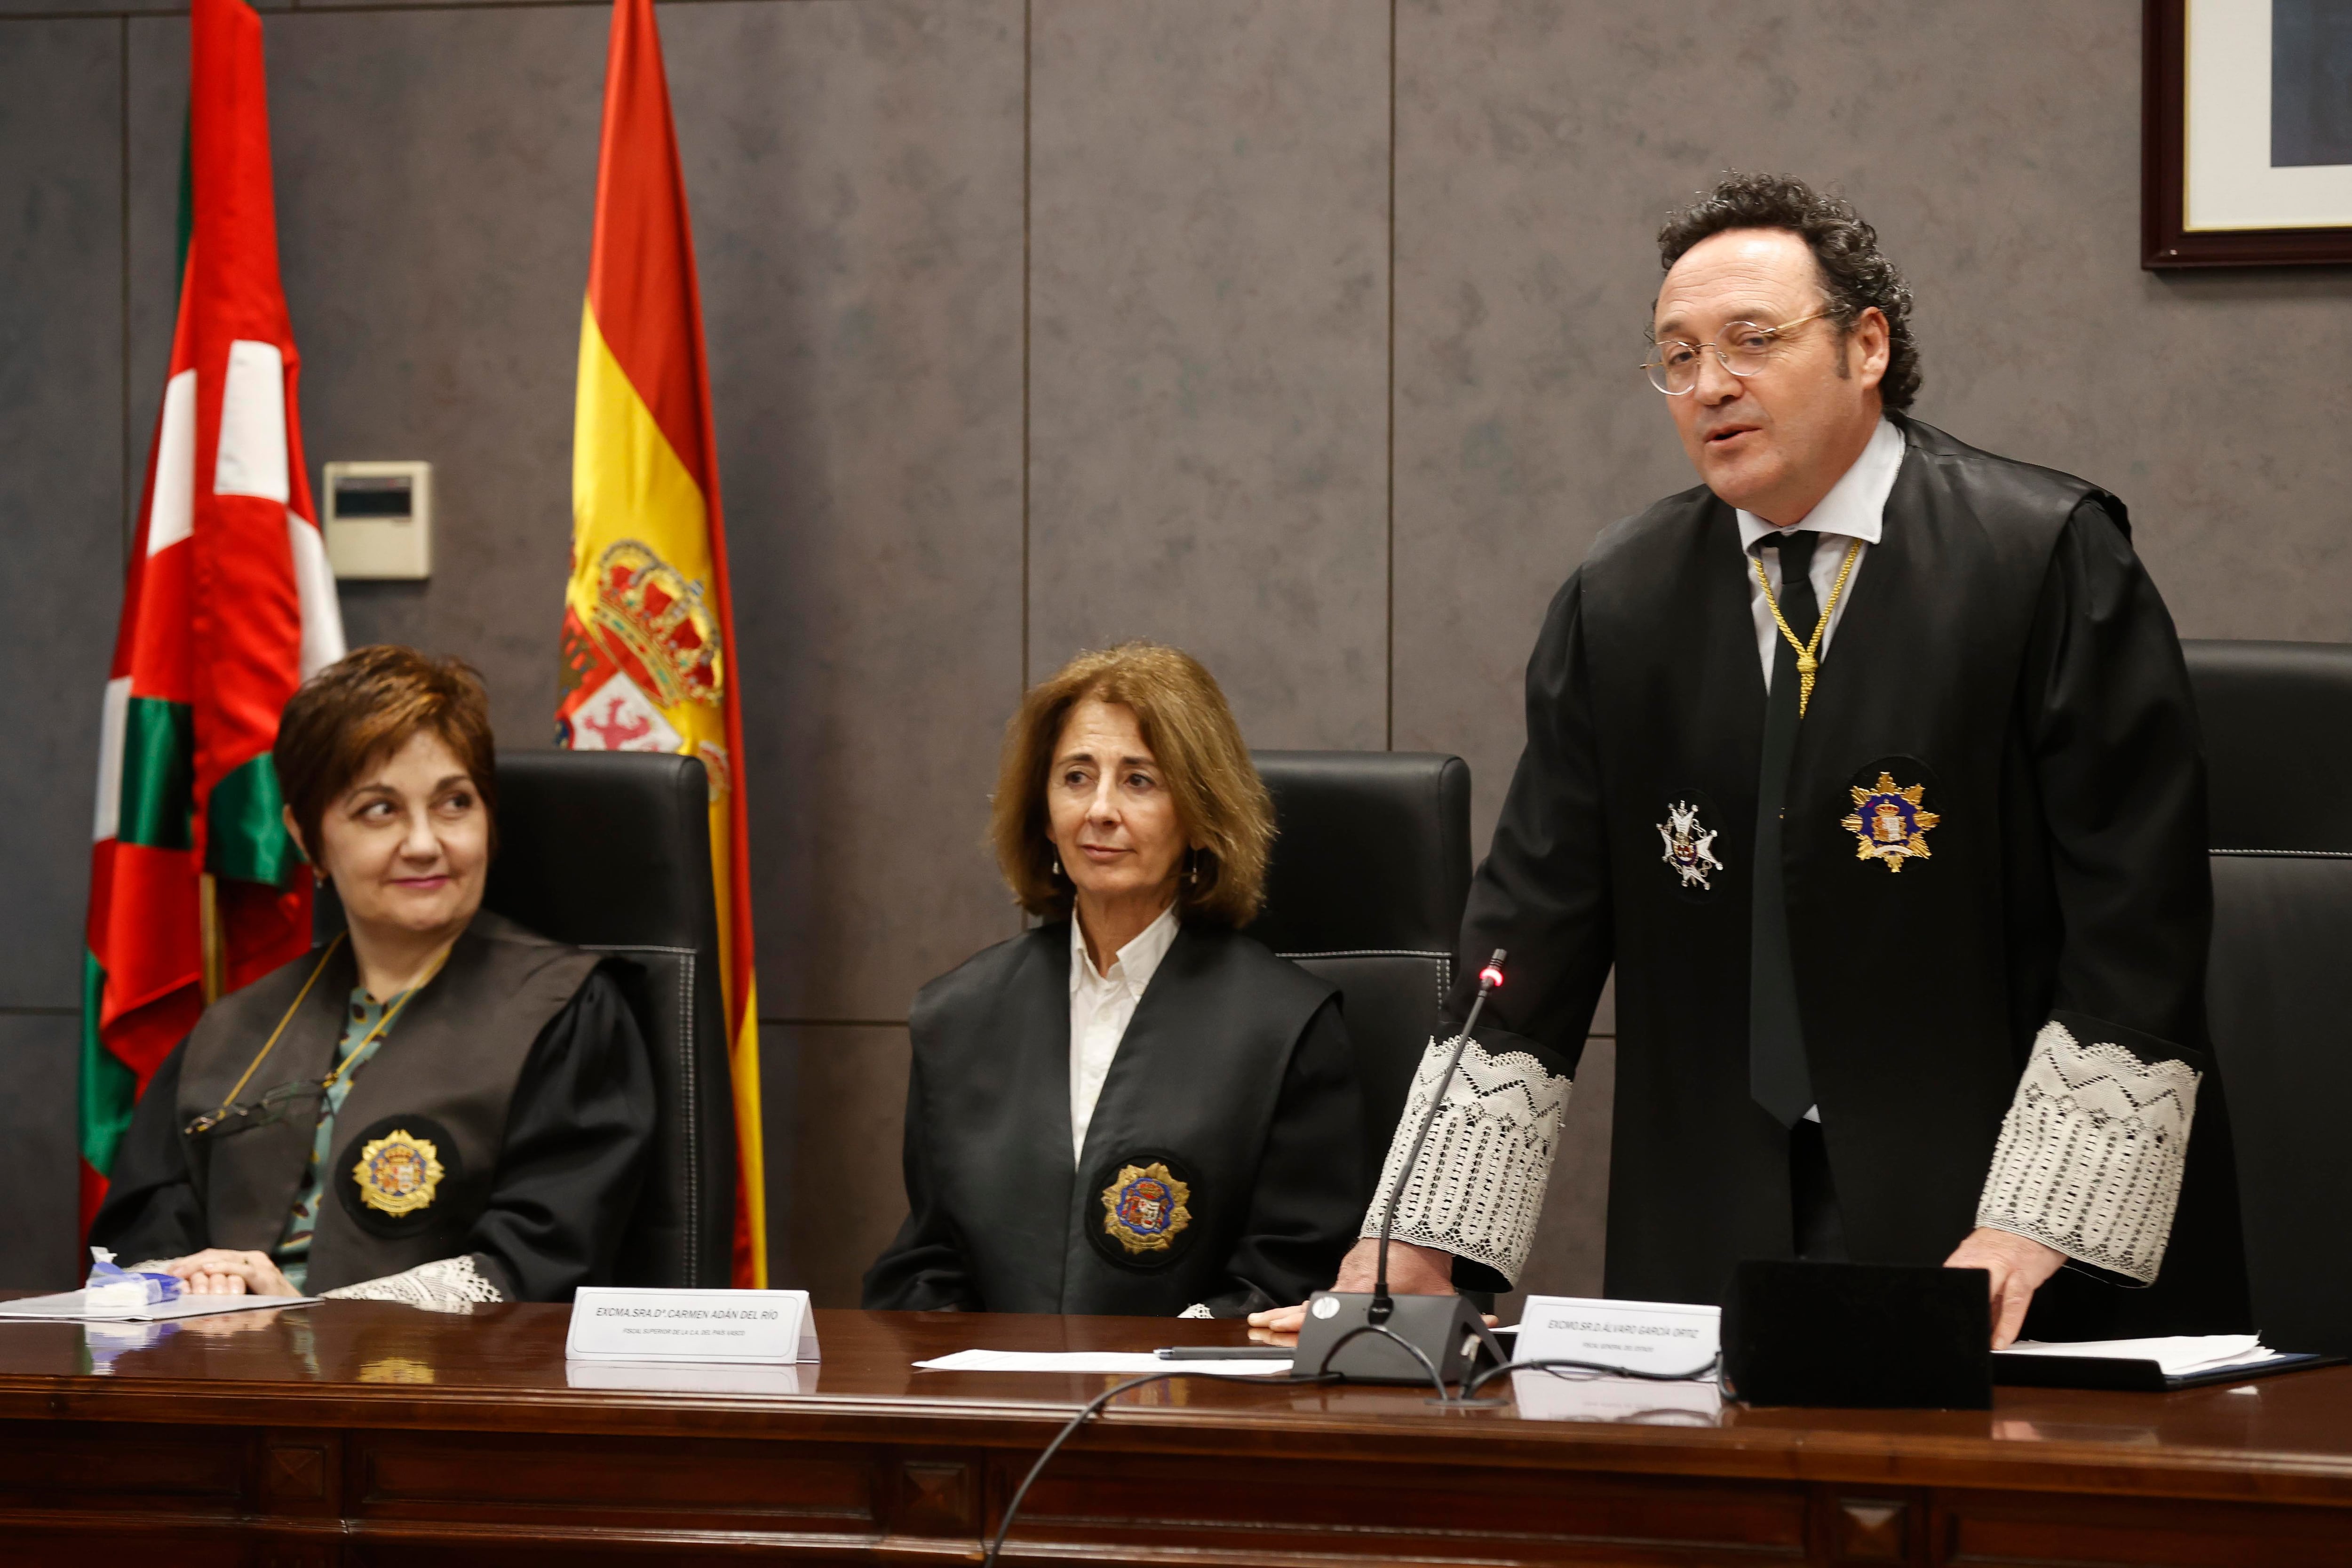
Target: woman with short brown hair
{"x":436,"y":1106}
{"x":1133,"y":1108}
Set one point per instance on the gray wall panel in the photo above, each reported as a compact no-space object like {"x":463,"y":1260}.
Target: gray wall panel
{"x":1209,"y":234}
{"x":61,"y":482}
{"x":434,"y":264}
{"x":855,"y":174}
{"x":848,"y":1198}
{"x":38,"y":1053}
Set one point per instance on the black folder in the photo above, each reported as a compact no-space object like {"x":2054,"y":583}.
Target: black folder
{"x":2132,"y":1376}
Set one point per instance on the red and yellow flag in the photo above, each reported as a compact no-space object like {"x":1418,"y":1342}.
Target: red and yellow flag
{"x":229,"y":607}
{"x":648,"y":630}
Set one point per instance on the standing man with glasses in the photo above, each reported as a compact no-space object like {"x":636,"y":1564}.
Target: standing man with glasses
{"x":1871,"y":766}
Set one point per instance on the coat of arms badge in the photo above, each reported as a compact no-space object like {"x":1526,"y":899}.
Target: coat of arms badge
{"x":398,"y":1173}
{"x":1888,"y":823}
{"x":1144,"y":1208}
{"x":1690,"y":846}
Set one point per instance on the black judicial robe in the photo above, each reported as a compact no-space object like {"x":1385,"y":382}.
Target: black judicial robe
{"x":520,"y":1062}
{"x":2002,"y":648}
{"x":1234,"y":1090}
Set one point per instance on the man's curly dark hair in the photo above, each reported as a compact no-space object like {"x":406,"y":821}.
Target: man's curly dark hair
{"x":1855,"y":274}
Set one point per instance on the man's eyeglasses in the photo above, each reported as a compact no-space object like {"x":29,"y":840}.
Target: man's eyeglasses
{"x":1743,"y":349}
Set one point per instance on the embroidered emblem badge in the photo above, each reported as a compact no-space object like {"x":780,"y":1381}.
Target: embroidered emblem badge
{"x":1888,"y":823}
{"x":1143,"y":1207}
{"x":1690,"y":845}
{"x":398,"y":1173}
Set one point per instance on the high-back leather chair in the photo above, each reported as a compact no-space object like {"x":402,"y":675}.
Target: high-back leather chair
{"x":1370,"y":872}
{"x":611,"y":851}
{"x":2277,"y":717}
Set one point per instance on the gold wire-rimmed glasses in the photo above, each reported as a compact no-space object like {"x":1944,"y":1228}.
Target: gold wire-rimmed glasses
{"x":1743,"y":349}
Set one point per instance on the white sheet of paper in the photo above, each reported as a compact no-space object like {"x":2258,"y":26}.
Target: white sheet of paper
{"x":66,"y":1306}
{"x":1128,"y":1364}
{"x":2178,"y":1356}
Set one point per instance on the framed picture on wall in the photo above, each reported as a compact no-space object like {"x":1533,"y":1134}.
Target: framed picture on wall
{"x":2246,"y":152}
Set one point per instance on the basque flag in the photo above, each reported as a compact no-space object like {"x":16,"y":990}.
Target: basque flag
{"x":229,"y":606}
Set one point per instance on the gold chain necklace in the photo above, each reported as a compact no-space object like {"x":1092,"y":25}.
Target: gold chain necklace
{"x":1809,"y":662}
{"x":383,"y":1023}
{"x":206,"y":1123}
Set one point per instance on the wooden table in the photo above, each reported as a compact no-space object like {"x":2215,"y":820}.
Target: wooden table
{"x":360,"y":1433}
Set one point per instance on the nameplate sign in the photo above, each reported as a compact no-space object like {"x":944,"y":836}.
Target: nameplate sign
{"x":610,"y":1324}
{"x":1664,"y":1337}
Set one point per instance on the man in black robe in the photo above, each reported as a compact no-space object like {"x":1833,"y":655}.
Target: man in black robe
{"x":1871,"y":766}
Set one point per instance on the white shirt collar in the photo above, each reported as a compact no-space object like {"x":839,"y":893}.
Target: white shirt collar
{"x":1136,"y":962}
{"x":1855,"y":506}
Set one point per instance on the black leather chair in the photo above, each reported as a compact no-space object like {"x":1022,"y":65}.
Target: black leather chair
{"x":611,"y":851}
{"x":1371,"y":869}
{"x":2277,"y":717}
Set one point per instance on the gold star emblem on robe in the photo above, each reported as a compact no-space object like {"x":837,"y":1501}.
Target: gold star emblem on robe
{"x":1888,"y":823}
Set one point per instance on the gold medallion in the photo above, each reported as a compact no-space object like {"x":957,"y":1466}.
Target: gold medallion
{"x":1888,"y":823}
{"x":1143,"y":1209}
{"x":398,"y":1173}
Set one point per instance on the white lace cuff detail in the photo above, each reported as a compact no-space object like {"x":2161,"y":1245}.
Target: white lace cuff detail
{"x":2091,"y":1154}
{"x":1197,"y":1310}
{"x":445,"y":1285}
{"x":1479,"y":1188}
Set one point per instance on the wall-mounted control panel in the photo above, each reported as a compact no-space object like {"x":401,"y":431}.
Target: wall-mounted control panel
{"x":378,"y":519}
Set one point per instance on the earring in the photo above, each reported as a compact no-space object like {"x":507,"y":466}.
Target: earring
{"x":1192,"y":865}
{"x":1058,"y":865}
{"x":318,"y":878}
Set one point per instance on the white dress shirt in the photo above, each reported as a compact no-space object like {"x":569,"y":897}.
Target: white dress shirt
{"x":1855,"y":508}
{"x":1102,"y":1007}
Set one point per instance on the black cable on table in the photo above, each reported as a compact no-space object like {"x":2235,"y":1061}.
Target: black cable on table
{"x":1412,"y":1349}
{"x":1013,"y":1509}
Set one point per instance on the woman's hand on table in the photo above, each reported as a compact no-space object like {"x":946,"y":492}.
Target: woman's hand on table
{"x":219,"y":1271}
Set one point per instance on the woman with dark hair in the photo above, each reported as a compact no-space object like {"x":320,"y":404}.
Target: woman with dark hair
{"x":1132,"y":1108}
{"x":436,"y":1106}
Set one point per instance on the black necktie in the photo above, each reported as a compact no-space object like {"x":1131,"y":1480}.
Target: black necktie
{"x":1776,"y":1038}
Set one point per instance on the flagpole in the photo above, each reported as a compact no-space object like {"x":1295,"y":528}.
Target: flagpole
{"x":215,"y":949}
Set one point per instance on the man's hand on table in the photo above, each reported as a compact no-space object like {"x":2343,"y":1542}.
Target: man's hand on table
{"x":218,"y":1271}
{"x":2019,"y":1264}
{"x":1413,"y":1271}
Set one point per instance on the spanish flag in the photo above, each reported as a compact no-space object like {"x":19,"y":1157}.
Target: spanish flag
{"x":648,"y":632}
{"x":227,"y":607}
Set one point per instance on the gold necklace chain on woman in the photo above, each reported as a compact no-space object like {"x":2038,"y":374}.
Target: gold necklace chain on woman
{"x":1809,"y":661}
{"x":204,"y":1123}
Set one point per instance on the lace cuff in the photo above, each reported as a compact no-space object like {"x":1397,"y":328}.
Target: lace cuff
{"x":2091,"y":1153}
{"x":445,"y":1285}
{"x":1479,"y":1188}
{"x":1197,"y":1310}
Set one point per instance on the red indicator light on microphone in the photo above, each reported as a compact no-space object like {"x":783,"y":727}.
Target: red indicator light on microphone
{"x":1491,"y":976}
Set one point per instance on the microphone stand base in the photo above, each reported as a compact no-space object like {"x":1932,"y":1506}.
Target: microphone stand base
{"x":1340,"y":1337}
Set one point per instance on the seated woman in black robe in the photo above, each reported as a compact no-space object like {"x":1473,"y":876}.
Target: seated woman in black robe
{"x":1130,"y":1109}
{"x":436,"y":1107}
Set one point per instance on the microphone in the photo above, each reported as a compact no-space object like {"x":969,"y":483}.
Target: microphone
{"x":1374,"y":1339}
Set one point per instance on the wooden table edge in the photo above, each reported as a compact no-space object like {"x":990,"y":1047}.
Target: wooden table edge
{"x":1812,"y":1456}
